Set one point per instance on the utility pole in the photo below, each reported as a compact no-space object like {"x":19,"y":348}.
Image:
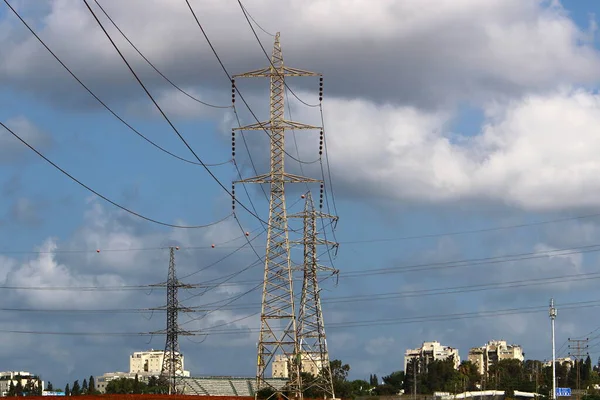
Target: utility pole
{"x":311,"y":326}
{"x":552,"y":313}
{"x":172,"y":366}
{"x":278,"y":328}
{"x":579,"y":346}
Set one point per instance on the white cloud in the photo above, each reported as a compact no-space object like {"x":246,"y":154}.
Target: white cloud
{"x":537,"y":153}
{"x":428,"y":52}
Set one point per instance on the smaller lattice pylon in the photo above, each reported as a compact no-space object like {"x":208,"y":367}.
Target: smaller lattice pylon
{"x":313,"y":357}
{"x":172,"y":366}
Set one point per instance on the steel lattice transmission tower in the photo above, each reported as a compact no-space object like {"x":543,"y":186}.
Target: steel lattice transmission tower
{"x":278,"y":320}
{"x":172,"y":367}
{"x":311,"y":327}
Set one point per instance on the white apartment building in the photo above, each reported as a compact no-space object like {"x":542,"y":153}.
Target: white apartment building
{"x":144,"y":364}
{"x":561,"y":361}
{"x":492,"y":352}
{"x":15,"y":376}
{"x":310,"y":364}
{"x":431,"y":351}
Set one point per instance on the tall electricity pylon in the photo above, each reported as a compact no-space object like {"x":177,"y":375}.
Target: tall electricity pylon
{"x":172,"y":366}
{"x":278,"y":294}
{"x":580,"y":351}
{"x":313,"y":356}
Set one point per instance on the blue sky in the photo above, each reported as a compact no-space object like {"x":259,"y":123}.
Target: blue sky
{"x":442,"y":118}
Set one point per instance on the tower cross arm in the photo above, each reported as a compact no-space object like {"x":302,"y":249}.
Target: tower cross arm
{"x":180,"y":332}
{"x":287,"y":178}
{"x":270,"y":71}
{"x":269,"y":125}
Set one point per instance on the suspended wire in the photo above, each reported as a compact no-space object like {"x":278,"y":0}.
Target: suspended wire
{"x":458,"y":263}
{"x":222,"y":258}
{"x":306,"y":184}
{"x":231,"y":80}
{"x":152,"y":65}
{"x":346,"y":324}
{"x":269,"y":58}
{"x":436,"y":291}
{"x":164,"y":115}
{"x":110,"y":110}
{"x":471,"y":231}
{"x":256,"y":23}
{"x":216,"y":306}
{"x":327,"y":162}
{"x":226,"y":304}
{"x":104,"y":197}
{"x":363,"y":272}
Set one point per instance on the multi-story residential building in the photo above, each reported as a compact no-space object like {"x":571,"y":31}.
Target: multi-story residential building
{"x":568,"y":360}
{"x":431,"y":351}
{"x":148,"y":362}
{"x":144,"y":364}
{"x":279,"y":366}
{"x":15,"y":377}
{"x":492,"y":352}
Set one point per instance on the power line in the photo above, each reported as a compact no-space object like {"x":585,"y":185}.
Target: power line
{"x":253,"y":20}
{"x":268,"y":58}
{"x":152,"y":65}
{"x":235,"y":87}
{"x":470,"y":231}
{"x":110,"y":110}
{"x":164,"y":115}
{"x":366,"y":272}
{"x":104,"y":197}
{"x":327,"y":163}
{"x":348,"y":324}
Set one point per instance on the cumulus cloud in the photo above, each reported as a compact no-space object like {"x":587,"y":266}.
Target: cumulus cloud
{"x":537,"y":153}
{"x":427,"y":52}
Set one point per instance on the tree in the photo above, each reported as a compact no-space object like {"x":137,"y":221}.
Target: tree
{"x":339,"y":375}
{"x":412,"y":376}
{"x":50,"y":388}
{"x":76,"y":390}
{"x":84,"y":387}
{"x":11,"y":389}
{"x":38,"y":387}
{"x":470,"y":376}
{"x":395,"y":379}
{"x":67,"y":390}
{"x":373,"y":380}
{"x":19,"y":387}
{"x":359,"y":387}
{"x":92,"y":385}
{"x":385,"y":390}
{"x":137,"y":388}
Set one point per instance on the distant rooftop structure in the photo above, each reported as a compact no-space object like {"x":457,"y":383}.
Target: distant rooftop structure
{"x":492,"y":352}
{"x":431,"y":351}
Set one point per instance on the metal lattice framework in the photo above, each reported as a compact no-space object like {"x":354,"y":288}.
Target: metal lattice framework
{"x":314,"y":355}
{"x":172,"y":367}
{"x":278,"y":334}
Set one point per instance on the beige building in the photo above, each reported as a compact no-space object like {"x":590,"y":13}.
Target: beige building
{"x":431,"y":351}
{"x":279,"y":366}
{"x":144,"y":364}
{"x":15,"y":376}
{"x":568,"y":360}
{"x":493,"y":351}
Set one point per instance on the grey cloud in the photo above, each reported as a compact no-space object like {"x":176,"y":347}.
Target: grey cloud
{"x":430,"y":55}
